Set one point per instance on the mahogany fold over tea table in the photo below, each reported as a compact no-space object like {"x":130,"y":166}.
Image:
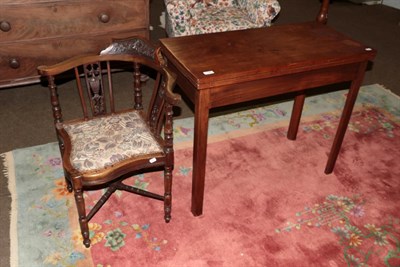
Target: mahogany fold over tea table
{"x":225,"y":68}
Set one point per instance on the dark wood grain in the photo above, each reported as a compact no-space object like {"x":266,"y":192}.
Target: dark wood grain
{"x":282,"y":49}
{"x":44,"y":32}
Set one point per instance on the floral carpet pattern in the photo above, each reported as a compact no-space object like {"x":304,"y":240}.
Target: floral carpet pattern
{"x":46,"y":231}
{"x":359,"y":243}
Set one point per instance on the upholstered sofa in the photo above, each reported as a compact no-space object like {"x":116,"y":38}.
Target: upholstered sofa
{"x":191,"y":17}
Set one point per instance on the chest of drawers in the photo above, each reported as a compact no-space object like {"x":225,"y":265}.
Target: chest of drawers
{"x":41,"y":32}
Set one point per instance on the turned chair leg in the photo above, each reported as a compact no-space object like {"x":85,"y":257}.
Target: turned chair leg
{"x":80,"y":205}
{"x":167,"y":193}
{"x":66,"y":175}
{"x":68,"y":182}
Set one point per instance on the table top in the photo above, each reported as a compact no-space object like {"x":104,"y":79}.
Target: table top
{"x":217,"y":59}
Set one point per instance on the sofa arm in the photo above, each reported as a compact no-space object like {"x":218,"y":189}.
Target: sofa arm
{"x":261,"y":12}
{"x":178,"y":17}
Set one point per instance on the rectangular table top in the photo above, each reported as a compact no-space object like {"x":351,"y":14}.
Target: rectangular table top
{"x":225,"y":58}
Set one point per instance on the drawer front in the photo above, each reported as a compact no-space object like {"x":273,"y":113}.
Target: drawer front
{"x":19,"y":61}
{"x":66,"y":18}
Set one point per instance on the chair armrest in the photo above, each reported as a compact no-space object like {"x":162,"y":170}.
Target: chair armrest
{"x":261,"y":12}
{"x":178,"y":17}
{"x":171,"y":97}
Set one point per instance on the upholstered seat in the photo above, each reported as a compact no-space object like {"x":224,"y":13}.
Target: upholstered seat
{"x":103,"y":142}
{"x":190,"y":17}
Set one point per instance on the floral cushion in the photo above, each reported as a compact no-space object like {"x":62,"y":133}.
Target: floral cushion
{"x":208,"y":3}
{"x":215,"y":19}
{"x":185,"y":17}
{"x":105,"y":141}
{"x":261,"y":12}
{"x":178,"y":16}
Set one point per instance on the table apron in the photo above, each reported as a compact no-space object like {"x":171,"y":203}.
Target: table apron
{"x":273,"y":86}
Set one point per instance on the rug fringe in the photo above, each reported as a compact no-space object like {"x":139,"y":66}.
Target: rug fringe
{"x":387,"y":90}
{"x":5,"y":167}
{"x":9,"y":174}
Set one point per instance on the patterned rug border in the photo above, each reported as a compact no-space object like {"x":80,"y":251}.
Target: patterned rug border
{"x":9,"y":174}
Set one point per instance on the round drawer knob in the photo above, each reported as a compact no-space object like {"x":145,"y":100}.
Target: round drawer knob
{"x":103,"y":17}
{"x":5,"y":26}
{"x":14,"y":63}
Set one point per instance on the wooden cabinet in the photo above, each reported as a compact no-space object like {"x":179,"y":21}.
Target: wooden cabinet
{"x":34,"y":33}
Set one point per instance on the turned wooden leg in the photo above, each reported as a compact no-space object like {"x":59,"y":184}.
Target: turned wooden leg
{"x":167,"y":193}
{"x":66,"y":174}
{"x":67,"y":181}
{"x":80,"y":205}
{"x":296,"y":115}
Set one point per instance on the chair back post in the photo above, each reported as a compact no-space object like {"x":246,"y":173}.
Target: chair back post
{"x":80,"y":92}
{"x":55,"y":102}
{"x":137,"y":86}
{"x":322,"y":16}
{"x":156,"y":105}
{"x":168,"y":135}
{"x":110,"y":88}
{"x":171,"y":99}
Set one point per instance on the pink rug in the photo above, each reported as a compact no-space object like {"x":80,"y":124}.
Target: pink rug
{"x":267,"y":203}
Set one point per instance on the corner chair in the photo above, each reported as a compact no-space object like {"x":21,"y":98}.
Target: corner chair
{"x":108,"y":144}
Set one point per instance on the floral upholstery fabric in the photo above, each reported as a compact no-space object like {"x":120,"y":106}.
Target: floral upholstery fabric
{"x":178,"y":17}
{"x":261,"y":12}
{"x":215,"y":19}
{"x":190,"y":17}
{"x":200,"y":4}
{"x":104,"y":141}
